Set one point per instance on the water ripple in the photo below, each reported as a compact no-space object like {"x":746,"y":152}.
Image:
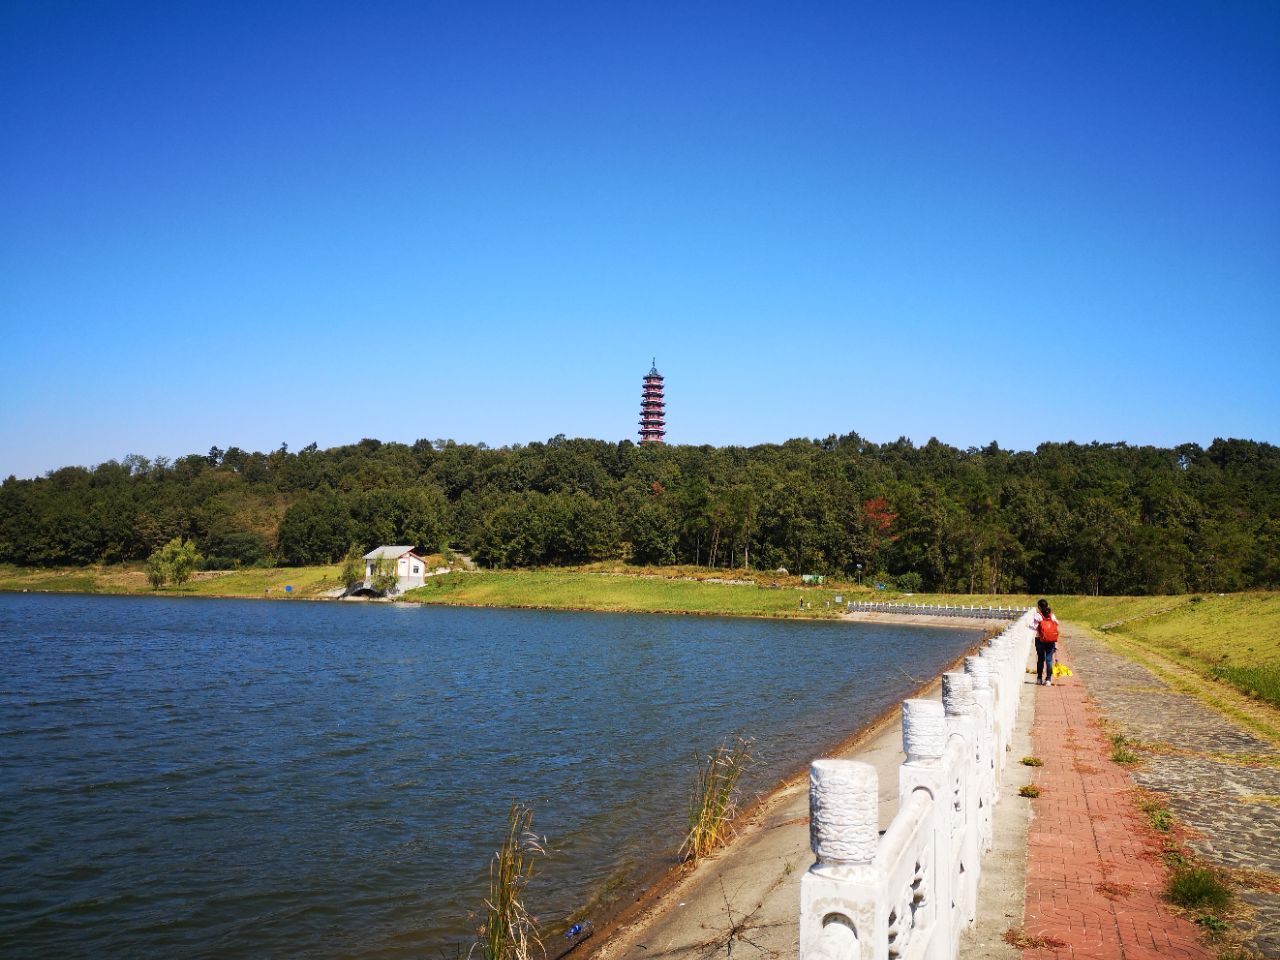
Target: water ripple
{"x":238,"y":779}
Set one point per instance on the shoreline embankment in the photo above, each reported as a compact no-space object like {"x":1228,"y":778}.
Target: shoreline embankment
{"x":685,"y":890}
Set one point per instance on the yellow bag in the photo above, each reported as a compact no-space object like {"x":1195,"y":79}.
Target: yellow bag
{"x":1060,"y":670}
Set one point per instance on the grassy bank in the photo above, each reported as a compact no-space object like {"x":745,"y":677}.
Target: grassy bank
{"x":577,"y":590}
{"x":131,"y":579}
{"x":1230,"y":639}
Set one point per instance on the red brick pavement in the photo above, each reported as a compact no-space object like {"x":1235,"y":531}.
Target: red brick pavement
{"x":1094,"y":874}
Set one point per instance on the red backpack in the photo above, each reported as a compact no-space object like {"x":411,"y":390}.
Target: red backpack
{"x":1048,"y":630}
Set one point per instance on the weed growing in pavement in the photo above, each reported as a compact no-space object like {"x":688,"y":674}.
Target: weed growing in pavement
{"x":1198,"y":888}
{"x":1120,"y":751}
{"x":1030,"y":790}
{"x":1156,"y":812}
{"x":1032,"y":762}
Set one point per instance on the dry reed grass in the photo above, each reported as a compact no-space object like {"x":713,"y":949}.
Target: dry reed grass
{"x":509,"y":931}
{"x":713,"y":801}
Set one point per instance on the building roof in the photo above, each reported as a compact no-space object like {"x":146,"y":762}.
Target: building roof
{"x":388,"y":553}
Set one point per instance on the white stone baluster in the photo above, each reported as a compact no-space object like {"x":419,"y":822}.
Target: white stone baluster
{"x":1001,"y":692}
{"x":844,"y":829}
{"x":957,"y":702}
{"x":924,"y":738}
{"x":978,"y":671}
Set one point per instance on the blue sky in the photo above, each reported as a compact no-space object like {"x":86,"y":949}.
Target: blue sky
{"x":248,"y":224}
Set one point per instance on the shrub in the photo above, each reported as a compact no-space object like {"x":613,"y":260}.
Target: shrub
{"x":910,"y":582}
{"x":353,"y":564}
{"x":1198,"y":888}
{"x":384,"y":577}
{"x":175,"y":561}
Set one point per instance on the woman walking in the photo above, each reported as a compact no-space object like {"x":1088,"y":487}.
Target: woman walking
{"x":1045,"y":624}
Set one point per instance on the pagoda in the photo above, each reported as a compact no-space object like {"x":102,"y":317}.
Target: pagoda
{"x":653,"y":409}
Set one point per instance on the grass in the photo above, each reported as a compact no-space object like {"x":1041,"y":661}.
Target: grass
{"x":96,"y":578}
{"x":1224,"y":638}
{"x":712,"y":802}
{"x":262,"y":582}
{"x":1198,"y":888}
{"x":1157,"y":814}
{"x":1030,"y":790}
{"x":1260,"y":683}
{"x":509,"y":931}
{"x":130,"y":579}
{"x":577,"y":590}
{"x":1121,"y":753}
{"x":1032,"y":762}
{"x":1160,"y":820}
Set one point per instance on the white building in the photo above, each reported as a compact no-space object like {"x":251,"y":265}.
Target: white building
{"x":410,"y":569}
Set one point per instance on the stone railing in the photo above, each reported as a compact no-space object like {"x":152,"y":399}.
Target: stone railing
{"x":909,"y":893}
{"x":937,"y":610}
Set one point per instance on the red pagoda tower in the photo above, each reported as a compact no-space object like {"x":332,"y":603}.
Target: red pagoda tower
{"x":653,"y":409}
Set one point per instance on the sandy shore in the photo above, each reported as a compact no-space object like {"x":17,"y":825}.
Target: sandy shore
{"x":744,"y":901}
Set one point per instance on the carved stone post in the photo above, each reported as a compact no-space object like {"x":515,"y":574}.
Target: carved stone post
{"x":978,"y":671}
{"x":957,"y":700}
{"x":842,"y":887}
{"x":1005,"y":646}
{"x":1000,"y":693}
{"x":924,"y":740}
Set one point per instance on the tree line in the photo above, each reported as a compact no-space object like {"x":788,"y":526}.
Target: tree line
{"x":1064,"y":518}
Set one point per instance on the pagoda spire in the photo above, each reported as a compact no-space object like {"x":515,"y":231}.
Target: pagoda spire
{"x":653,"y":408}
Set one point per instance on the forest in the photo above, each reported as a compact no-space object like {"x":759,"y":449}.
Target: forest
{"x":1065,"y":518}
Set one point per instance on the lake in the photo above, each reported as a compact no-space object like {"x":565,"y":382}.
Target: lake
{"x":237,"y":778}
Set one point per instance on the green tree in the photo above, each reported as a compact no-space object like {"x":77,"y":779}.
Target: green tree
{"x":157,"y":570}
{"x":174,"y":562}
{"x":353,"y":564}
{"x":384,"y":576}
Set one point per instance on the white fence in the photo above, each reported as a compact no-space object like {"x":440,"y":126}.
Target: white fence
{"x":937,"y":610}
{"x":908,"y":894}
